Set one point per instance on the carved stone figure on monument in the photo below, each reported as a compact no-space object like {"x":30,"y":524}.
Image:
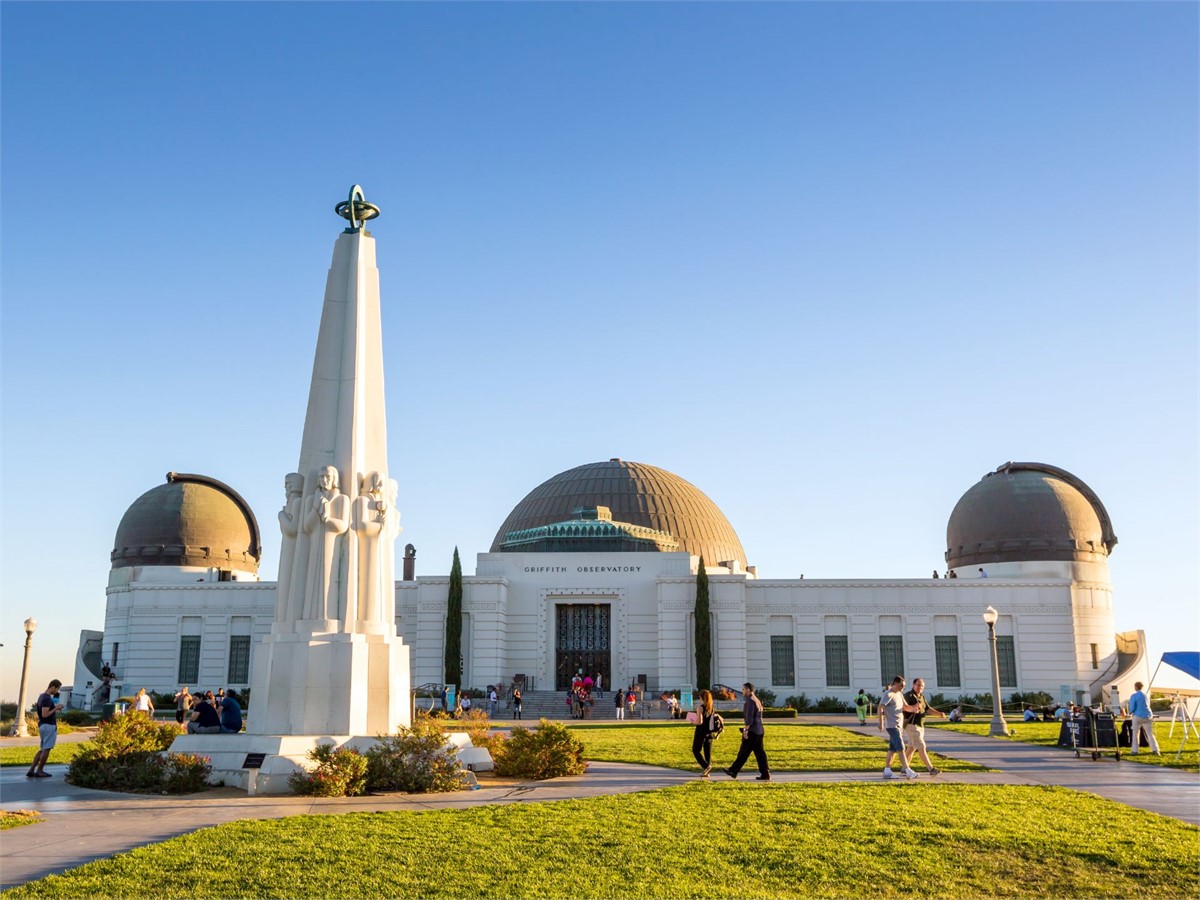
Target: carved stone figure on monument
{"x":387,"y":573}
{"x":370,"y":515}
{"x":326,"y":518}
{"x":289,"y":524}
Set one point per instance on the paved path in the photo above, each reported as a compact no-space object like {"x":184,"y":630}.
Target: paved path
{"x":82,"y":825}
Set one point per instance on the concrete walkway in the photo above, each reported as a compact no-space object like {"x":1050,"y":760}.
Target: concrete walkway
{"x":82,"y":825}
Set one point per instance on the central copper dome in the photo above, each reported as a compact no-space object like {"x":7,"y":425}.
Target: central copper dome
{"x":637,"y":494}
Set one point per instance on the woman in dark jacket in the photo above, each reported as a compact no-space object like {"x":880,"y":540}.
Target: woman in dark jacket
{"x":702,"y":737}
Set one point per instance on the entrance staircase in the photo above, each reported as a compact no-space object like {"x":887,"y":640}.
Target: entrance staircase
{"x":553,"y":705}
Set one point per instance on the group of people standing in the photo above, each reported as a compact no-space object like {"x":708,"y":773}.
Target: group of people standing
{"x":206,"y":713}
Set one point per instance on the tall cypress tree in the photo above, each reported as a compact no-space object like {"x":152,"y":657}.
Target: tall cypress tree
{"x":703,"y":630}
{"x":454,"y":623}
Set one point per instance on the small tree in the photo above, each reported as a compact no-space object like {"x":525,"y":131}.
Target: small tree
{"x":703,"y":630}
{"x":454,"y":623}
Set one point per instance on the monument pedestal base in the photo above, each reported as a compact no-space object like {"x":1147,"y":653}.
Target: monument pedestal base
{"x":335,"y":683}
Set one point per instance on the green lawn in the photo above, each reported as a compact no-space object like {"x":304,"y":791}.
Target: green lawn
{"x":23,"y":756}
{"x":700,"y":840}
{"x":790,"y":748}
{"x":1046,"y":734}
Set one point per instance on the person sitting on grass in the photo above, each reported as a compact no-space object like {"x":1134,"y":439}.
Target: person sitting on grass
{"x":956,"y":714}
{"x":204,"y":718}
{"x":1029,"y":715}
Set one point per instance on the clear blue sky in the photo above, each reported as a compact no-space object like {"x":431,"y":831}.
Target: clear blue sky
{"x":831,"y":263}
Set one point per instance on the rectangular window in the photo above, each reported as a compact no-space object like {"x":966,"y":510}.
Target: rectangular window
{"x":891,"y":657}
{"x":189,"y":659}
{"x":1006,"y":658}
{"x":116,"y":654}
{"x":837,"y":660}
{"x":946,"y":652}
{"x":239,"y":659}
{"x":1095,"y":656}
{"x":783,"y":660}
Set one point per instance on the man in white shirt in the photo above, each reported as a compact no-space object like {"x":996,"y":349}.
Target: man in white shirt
{"x":891,"y":715}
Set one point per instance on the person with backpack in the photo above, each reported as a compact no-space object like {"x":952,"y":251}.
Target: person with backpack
{"x":709,"y":726}
{"x":862,"y":705}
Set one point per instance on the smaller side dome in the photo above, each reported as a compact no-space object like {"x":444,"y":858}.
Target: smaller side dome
{"x":192,"y":520}
{"x":1025,"y":512}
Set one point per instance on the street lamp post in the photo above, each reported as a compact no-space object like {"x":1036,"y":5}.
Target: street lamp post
{"x":19,"y":728}
{"x":999,"y":727}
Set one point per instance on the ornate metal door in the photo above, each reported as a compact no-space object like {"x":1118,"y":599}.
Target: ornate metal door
{"x":583,"y":638}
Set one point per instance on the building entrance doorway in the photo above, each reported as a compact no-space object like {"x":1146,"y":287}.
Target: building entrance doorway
{"x":583,"y":642}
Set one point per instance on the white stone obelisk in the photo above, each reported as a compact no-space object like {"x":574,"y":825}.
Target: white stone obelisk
{"x":333,"y":663}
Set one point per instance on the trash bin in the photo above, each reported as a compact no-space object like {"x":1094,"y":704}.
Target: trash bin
{"x":108,"y":710}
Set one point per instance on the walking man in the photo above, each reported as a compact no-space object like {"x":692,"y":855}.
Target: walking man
{"x":1143,"y":719}
{"x":752,"y":736}
{"x":914,"y":726}
{"x":891,"y":711}
{"x":48,"y":708}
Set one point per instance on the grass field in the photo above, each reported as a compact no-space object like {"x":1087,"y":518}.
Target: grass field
{"x":1046,"y":734}
{"x":700,"y":840}
{"x":23,"y":756}
{"x":790,"y":748}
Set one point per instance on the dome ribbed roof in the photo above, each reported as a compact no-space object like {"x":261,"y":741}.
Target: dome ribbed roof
{"x":1025,"y":512}
{"x":637,"y":494}
{"x":192,"y":520}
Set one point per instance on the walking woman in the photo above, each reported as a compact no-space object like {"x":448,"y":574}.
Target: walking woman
{"x":702,"y":737}
{"x":517,"y":700}
{"x":141,"y":703}
{"x":620,"y":695}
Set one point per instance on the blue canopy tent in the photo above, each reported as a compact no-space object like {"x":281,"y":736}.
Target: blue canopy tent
{"x":1185,"y":661}
{"x":1183,"y":682}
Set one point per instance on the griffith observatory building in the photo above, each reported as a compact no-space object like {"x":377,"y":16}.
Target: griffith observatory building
{"x":595,"y":570}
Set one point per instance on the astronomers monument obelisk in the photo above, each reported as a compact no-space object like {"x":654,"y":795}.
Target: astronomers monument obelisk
{"x":333,"y":663}
{"x":333,"y":668}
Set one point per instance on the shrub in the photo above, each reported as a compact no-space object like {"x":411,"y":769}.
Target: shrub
{"x":340,"y":772}
{"x":128,"y":754}
{"x":476,"y":724}
{"x":31,"y":722}
{"x":414,"y":760}
{"x":185,"y":773}
{"x":783,"y":712}
{"x":832,"y":705}
{"x":799,"y":703}
{"x":76,"y":717}
{"x":1037,"y":699}
{"x":767,"y":697}
{"x":549,"y":751}
{"x":939,"y":701}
